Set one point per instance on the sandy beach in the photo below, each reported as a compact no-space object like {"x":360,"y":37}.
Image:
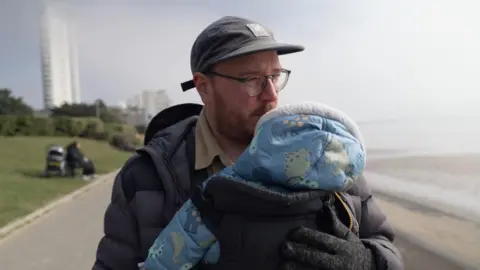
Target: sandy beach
{"x":455,"y":236}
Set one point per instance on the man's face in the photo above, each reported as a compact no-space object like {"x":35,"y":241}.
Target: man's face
{"x":230,"y":109}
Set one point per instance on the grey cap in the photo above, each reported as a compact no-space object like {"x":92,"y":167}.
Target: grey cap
{"x":231,"y":37}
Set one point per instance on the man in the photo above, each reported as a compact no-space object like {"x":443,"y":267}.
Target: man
{"x":74,"y":158}
{"x":237,"y":72}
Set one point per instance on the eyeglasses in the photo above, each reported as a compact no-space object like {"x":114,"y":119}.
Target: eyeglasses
{"x":255,"y":85}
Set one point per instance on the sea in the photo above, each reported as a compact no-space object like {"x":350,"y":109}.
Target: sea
{"x":455,"y":194}
{"x":444,"y":135}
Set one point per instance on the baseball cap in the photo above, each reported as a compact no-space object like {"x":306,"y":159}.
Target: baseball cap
{"x":231,"y":37}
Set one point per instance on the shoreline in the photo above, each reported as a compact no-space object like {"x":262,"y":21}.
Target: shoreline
{"x":455,"y":164}
{"x":429,"y":199}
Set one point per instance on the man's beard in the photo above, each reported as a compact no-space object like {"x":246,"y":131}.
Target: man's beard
{"x":232,"y":125}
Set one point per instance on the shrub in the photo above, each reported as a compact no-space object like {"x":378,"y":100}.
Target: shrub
{"x":86,"y":127}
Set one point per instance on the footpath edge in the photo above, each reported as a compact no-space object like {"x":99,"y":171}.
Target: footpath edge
{"x":24,"y":221}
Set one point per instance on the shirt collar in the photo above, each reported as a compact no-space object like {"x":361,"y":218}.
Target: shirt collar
{"x":206,"y":145}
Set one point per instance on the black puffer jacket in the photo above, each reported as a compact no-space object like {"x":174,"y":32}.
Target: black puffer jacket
{"x":142,"y":205}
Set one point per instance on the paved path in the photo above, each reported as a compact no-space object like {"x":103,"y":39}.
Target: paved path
{"x":67,"y":239}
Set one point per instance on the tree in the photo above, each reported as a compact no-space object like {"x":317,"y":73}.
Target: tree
{"x":106,"y":114}
{"x":112,"y":115}
{"x":74,"y":110}
{"x":11,"y":105}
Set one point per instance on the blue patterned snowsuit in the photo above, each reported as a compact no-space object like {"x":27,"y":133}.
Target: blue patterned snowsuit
{"x":295,"y":147}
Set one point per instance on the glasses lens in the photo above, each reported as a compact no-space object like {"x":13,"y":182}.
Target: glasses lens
{"x":281,"y":80}
{"x":253,"y":91}
{"x":255,"y":86}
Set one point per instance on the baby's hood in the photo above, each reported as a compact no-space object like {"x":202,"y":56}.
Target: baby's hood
{"x":304,"y":146}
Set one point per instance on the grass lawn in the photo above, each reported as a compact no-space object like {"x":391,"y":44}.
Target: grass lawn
{"x":22,"y":159}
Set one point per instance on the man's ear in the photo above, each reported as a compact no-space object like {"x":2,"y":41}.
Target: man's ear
{"x":201,"y":84}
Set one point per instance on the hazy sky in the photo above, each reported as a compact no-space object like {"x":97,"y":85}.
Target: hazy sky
{"x":370,"y":58}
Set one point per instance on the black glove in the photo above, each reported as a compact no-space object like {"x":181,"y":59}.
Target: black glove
{"x":311,"y":249}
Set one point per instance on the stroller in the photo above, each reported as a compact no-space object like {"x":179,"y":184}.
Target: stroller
{"x":55,"y":161}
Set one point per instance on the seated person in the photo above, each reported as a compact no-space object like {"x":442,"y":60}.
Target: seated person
{"x":300,"y":160}
{"x":74,"y":158}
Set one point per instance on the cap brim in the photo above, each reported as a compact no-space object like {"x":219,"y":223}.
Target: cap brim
{"x":263,"y":46}
{"x":256,"y":47}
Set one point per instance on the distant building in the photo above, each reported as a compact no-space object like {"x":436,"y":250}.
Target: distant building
{"x":141,"y":108}
{"x":58,"y":57}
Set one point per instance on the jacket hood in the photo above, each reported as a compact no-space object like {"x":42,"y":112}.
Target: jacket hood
{"x":169,"y":117}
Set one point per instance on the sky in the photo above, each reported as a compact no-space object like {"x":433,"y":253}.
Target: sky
{"x":373,"y":59}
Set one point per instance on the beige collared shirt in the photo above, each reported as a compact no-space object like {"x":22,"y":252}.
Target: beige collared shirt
{"x":208,"y":154}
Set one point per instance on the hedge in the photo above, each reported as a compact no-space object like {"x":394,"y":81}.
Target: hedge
{"x":86,"y":127}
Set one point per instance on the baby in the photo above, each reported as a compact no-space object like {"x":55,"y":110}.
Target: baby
{"x":296,"y":148}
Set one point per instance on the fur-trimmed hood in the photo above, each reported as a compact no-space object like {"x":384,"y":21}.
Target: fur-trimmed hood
{"x":303,"y":146}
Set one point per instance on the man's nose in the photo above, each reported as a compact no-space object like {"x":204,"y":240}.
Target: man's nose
{"x":269,"y":93}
